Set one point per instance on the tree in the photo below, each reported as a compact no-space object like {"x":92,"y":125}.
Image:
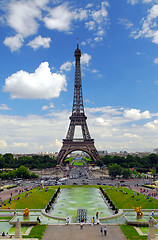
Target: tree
{"x":114,"y":170}
{"x":126,"y":173}
{"x":23,"y":172}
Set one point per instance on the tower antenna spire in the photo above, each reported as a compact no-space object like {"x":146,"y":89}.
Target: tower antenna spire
{"x":77,"y":43}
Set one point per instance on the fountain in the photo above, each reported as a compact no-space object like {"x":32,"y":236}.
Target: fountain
{"x":139,"y":212}
{"x":26,"y":213}
{"x":72,"y":199}
{"x":139,"y":219}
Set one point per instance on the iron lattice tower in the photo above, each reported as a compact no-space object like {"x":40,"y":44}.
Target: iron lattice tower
{"x":78,"y":118}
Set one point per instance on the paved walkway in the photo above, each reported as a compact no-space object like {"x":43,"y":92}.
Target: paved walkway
{"x":73,"y":232}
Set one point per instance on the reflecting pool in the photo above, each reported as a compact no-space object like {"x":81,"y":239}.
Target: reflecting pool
{"x":71,"y":199}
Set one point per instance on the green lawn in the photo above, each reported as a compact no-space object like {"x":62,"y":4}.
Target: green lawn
{"x":38,"y":199}
{"x":145,"y":230}
{"x":78,"y":163}
{"x":126,"y":201}
{"x":5,"y":218}
{"x":37,"y":232}
{"x":131,"y":234}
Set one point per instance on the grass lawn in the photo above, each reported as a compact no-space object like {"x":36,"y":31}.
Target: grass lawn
{"x":37,"y":232}
{"x":126,"y":201}
{"x":131,"y":234}
{"x":5,"y":218}
{"x":78,"y":164}
{"x":37,"y":199}
{"x":23,"y":229}
{"x":145,"y":230}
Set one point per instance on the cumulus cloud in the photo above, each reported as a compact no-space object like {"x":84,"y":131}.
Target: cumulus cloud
{"x":135,"y":114}
{"x":14,"y":43}
{"x":25,"y":17}
{"x":66,"y":66}
{"x":85,"y":58}
{"x":59,"y":18}
{"x":41,"y":84}
{"x":152,"y":125}
{"x":40,"y":42}
{"x":22,"y":16}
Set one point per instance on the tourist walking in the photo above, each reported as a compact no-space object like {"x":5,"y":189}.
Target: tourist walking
{"x":97,"y":215}
{"x":81,"y":226}
{"x":105,"y":231}
{"x":101,"y":231}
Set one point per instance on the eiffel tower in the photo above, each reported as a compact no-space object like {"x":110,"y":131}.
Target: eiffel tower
{"x":78,"y":118}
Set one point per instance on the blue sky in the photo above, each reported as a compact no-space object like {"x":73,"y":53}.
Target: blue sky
{"x":119,"y":44}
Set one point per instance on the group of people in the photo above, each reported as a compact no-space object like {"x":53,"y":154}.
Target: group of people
{"x":103,"y":231}
{"x":7,"y":235}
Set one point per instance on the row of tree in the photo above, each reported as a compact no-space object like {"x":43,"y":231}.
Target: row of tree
{"x":36,"y":161}
{"x":22,"y":172}
{"x":141,"y":164}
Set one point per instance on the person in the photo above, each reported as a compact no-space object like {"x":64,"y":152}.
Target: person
{"x":7,"y":234}
{"x":97,"y":215}
{"x":67,"y":220}
{"x":105,"y":230}
{"x":93,"y":220}
{"x":3,"y":234}
{"x":81,"y":226}
{"x":101,"y":231}
{"x":38,"y":219}
{"x":152,"y":213}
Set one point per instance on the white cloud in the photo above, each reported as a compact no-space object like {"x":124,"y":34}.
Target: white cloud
{"x":126,"y":23}
{"x":85,"y":58}
{"x":59,"y":18}
{"x":66,"y":66}
{"x":20,"y":144}
{"x":4,"y":107}
{"x":40,"y":42}
{"x":41,"y":84}
{"x":130,"y":135}
{"x":152,"y":125}
{"x":107,"y":125}
{"x":58,"y":143}
{"x":100,"y":15}
{"x":149,"y":26}
{"x":133,"y":2}
{"x":46,"y":107}
{"x":3,"y":144}
{"x":22,"y":16}
{"x":14,"y":43}
{"x":89,"y":5}
{"x":90,"y":25}
{"x":135,"y":114}
{"x":156,"y":60}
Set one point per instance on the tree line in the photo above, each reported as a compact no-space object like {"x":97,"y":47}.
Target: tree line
{"x":142,"y":164}
{"x":36,"y":161}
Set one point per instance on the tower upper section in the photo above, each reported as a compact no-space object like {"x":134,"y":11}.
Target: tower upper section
{"x":78,"y":108}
